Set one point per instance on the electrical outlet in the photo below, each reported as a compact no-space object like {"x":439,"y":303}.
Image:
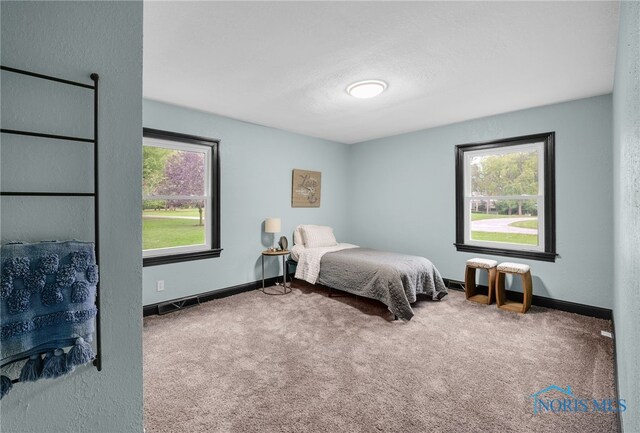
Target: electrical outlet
{"x":160,"y":285}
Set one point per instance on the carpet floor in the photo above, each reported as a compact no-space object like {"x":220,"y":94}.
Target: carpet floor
{"x":305,"y":362}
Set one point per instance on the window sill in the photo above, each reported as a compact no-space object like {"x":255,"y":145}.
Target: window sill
{"x":531,"y":255}
{"x":177,"y":258}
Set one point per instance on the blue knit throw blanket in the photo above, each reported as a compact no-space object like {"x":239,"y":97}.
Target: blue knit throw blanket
{"x":47,"y":304}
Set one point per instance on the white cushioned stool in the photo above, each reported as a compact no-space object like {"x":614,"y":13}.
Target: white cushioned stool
{"x":470,"y":289}
{"x":527,"y":287}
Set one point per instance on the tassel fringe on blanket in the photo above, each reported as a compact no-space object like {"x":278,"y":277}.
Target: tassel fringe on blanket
{"x":32,"y":369}
{"x":55,"y":364}
{"x":5,"y":386}
{"x":80,"y":353}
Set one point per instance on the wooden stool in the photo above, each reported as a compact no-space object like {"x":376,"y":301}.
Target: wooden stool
{"x":527,"y":287}
{"x":470,"y":289}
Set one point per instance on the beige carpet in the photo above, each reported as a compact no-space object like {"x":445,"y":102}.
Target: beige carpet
{"x":308,"y":363}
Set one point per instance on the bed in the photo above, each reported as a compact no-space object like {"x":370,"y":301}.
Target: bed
{"x":391,"y":278}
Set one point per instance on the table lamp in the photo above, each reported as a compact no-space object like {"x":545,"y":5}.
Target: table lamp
{"x":272,"y":225}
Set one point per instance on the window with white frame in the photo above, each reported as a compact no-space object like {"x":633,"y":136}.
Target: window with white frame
{"x":506,"y":197}
{"x":180,"y":197}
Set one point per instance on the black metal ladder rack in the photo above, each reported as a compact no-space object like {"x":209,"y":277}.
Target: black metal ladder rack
{"x":94,"y":77}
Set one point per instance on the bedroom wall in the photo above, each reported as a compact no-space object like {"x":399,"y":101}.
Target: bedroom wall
{"x":626,"y":172}
{"x":403,"y":189}
{"x":72,"y":39}
{"x":256,"y":164}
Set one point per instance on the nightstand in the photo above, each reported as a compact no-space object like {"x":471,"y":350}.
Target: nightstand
{"x":285,"y":289}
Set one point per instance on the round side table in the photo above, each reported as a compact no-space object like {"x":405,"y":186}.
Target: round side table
{"x":285,"y":289}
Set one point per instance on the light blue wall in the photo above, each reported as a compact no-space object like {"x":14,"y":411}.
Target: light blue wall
{"x":256,"y":164}
{"x":626,"y":170}
{"x":402,"y":195}
{"x":71,"y":40}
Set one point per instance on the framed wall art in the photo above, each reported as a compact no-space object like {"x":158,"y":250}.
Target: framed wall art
{"x":305,"y":188}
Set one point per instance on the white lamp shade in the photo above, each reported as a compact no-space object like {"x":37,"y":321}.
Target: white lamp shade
{"x":272,"y":225}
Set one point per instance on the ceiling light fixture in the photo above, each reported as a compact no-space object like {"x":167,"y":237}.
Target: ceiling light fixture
{"x":366,"y":89}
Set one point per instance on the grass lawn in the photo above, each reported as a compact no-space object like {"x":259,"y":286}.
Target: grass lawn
{"x":514,"y":238}
{"x":169,"y":232}
{"x":483,"y":216}
{"x":531,"y":224}
{"x":177,"y":212}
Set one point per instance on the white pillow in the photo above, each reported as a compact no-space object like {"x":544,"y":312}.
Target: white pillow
{"x":297,"y":236}
{"x":318,"y":236}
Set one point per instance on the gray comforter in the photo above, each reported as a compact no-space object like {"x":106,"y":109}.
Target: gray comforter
{"x":391,"y":278}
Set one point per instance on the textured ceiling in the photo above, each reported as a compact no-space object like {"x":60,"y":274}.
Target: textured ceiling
{"x":287,"y":64}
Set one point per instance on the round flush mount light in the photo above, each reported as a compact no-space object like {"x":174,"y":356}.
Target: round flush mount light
{"x":366,"y":89}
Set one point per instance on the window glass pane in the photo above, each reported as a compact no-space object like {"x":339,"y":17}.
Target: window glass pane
{"x":172,"y":223}
{"x":511,"y":221}
{"x":173,"y":172}
{"x":514,"y":173}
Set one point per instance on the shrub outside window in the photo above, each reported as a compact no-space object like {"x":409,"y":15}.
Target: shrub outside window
{"x":180,"y":203}
{"x":505,"y":197}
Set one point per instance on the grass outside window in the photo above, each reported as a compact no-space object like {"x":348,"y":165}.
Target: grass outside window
{"x":513,"y":238}
{"x":159,"y":230}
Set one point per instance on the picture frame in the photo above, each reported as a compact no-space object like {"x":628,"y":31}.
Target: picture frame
{"x":283,"y":243}
{"x":306,"y":188}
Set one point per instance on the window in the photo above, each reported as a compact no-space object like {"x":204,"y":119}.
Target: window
{"x":180,"y":198}
{"x":505,"y":197}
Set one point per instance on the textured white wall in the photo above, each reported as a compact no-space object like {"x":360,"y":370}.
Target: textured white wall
{"x":72,"y":39}
{"x":626,"y":169}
